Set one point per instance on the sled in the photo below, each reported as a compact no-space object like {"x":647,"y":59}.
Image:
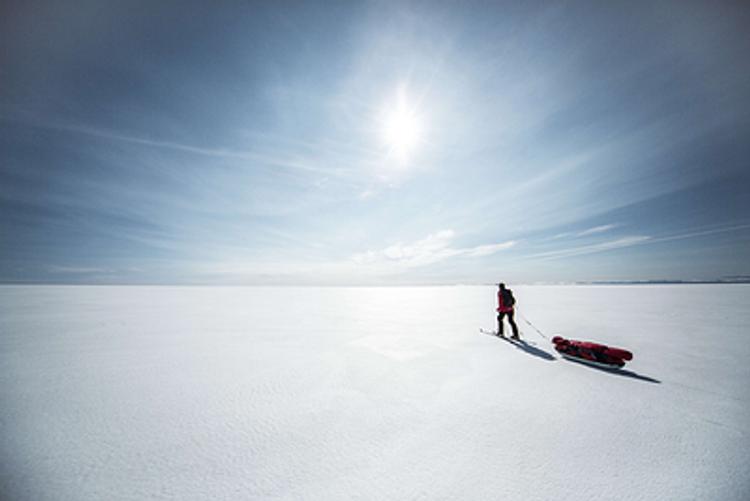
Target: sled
{"x":595,"y":354}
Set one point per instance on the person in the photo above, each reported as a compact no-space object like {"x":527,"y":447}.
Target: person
{"x":505,"y":302}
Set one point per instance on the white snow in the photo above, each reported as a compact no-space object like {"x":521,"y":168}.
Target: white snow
{"x":136,"y":393}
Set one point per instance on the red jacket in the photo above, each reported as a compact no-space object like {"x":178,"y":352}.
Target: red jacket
{"x":501,"y":307}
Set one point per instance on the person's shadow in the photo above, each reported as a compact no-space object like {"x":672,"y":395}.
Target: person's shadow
{"x":529,"y":348}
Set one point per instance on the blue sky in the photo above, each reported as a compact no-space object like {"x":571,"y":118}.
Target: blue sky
{"x":373,"y":143}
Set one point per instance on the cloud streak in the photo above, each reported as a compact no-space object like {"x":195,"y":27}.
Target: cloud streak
{"x":593,"y":248}
{"x":584,"y":233}
{"x":432,"y":249}
{"x":630,"y":241}
{"x":596,"y":230}
{"x":274,"y":160}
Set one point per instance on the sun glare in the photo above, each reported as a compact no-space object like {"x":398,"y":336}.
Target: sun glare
{"x":401,"y":130}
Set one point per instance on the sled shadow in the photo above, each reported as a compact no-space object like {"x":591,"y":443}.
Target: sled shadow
{"x":531,"y":350}
{"x":618,"y":372}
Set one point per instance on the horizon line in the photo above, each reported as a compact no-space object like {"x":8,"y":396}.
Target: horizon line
{"x":721,"y":281}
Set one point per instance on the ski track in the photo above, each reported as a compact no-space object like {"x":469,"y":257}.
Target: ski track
{"x":187,"y":393}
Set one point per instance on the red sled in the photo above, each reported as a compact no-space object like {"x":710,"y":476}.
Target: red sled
{"x":591,"y":353}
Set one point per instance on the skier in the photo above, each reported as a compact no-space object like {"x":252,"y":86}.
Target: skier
{"x":505,"y":302}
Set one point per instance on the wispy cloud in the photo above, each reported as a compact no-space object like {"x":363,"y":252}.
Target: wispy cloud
{"x":594,"y":248}
{"x":596,"y":229}
{"x":634,"y":240}
{"x":429,"y":250}
{"x":286,"y":161}
{"x":700,"y":233}
{"x":489,"y":249}
{"x":584,"y":233}
{"x":77,"y":270}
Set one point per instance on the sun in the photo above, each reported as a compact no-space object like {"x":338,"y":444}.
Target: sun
{"x":402,"y":129}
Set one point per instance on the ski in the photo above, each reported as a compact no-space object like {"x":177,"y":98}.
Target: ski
{"x":506,"y":338}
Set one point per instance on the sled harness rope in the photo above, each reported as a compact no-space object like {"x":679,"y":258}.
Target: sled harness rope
{"x":532,"y":326}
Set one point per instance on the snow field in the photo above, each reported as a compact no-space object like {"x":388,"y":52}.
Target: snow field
{"x":370,"y":393}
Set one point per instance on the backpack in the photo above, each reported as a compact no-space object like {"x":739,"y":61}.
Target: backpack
{"x":508,"y":299}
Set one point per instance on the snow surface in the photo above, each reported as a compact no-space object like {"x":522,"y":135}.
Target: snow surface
{"x":186,"y":393}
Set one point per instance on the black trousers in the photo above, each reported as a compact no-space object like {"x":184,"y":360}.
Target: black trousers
{"x":512,"y":322}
